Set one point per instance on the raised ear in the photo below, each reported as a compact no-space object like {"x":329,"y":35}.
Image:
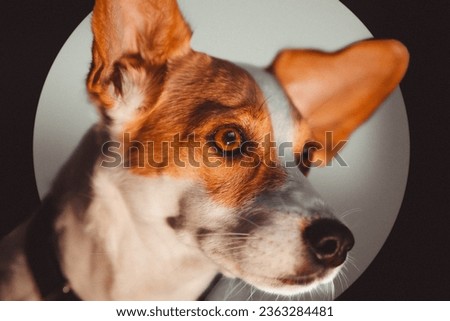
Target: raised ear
{"x":336,"y":92}
{"x":132,"y":34}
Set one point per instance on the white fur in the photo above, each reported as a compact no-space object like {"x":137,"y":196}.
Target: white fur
{"x":127,"y":105}
{"x":125,"y":249}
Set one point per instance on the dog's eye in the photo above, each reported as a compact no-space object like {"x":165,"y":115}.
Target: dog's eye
{"x":228,"y":139}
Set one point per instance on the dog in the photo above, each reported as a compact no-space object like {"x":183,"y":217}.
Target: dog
{"x":197,"y":167}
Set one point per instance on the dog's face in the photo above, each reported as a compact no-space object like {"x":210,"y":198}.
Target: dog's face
{"x":243,"y":137}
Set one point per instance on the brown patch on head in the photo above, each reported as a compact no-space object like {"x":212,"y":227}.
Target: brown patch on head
{"x":201,"y":95}
{"x":148,"y":82}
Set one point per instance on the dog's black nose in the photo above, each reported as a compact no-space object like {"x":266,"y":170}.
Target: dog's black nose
{"x":329,"y":241}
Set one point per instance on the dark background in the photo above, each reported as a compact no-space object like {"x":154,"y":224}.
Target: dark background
{"x":414,"y":264}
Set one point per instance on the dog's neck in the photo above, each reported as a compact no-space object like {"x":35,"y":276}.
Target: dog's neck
{"x":136,"y":255}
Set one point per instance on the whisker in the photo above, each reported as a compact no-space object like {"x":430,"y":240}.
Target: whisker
{"x":339,"y":279}
{"x":344,"y":280}
{"x":228,"y":240}
{"x":252,"y":292}
{"x":244,"y":285}
{"x":344,"y":215}
{"x":333,"y":290}
{"x":249,"y":221}
{"x":223,"y":234}
{"x":230,"y":292}
{"x":352,"y":261}
{"x":233,"y":248}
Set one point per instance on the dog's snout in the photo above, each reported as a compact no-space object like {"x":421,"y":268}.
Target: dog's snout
{"x":329,"y":241}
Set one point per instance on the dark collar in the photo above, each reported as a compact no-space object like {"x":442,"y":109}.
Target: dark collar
{"x":211,"y":286}
{"x":42,"y":255}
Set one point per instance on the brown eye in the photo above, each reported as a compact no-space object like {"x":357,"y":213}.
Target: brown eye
{"x":228,"y":140}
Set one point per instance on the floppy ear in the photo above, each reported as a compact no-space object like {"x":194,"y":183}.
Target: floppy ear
{"x":133,"y":40}
{"x":336,"y":92}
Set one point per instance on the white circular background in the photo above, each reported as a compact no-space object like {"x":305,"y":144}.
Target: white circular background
{"x":366,"y":194}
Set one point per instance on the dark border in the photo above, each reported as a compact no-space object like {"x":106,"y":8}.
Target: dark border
{"x":414,"y":263}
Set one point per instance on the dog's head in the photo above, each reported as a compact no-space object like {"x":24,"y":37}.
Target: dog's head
{"x":242,"y":137}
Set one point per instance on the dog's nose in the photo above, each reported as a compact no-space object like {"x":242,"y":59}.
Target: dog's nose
{"x":329,"y":241}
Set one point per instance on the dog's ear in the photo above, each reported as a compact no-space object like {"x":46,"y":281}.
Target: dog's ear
{"x":133,"y":42}
{"x":336,"y":92}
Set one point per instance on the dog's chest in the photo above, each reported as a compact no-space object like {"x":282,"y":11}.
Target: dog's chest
{"x":133,"y":253}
